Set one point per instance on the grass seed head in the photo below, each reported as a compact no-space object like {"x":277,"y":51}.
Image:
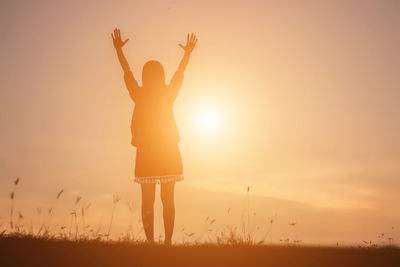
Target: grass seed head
{"x":60,"y":193}
{"x":116,"y":199}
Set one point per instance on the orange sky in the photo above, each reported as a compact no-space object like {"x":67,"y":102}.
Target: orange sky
{"x":307,"y":96}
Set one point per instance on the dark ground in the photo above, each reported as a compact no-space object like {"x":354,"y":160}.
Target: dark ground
{"x":16,"y":251}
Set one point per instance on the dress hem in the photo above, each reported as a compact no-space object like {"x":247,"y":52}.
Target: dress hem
{"x":159,"y":179}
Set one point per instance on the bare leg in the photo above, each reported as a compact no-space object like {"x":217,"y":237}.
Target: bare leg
{"x":148,"y":197}
{"x":167,"y":198}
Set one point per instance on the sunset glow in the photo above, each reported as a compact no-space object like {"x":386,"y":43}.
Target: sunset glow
{"x":299,"y":100}
{"x":208,"y":120}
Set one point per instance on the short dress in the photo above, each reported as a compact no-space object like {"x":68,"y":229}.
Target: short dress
{"x":158,"y":163}
{"x":154,"y":132}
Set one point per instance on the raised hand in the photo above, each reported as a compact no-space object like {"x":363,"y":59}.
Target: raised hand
{"x":190,"y":43}
{"x":118,"y":43}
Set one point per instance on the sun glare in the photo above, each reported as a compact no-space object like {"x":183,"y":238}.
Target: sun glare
{"x":208,"y":120}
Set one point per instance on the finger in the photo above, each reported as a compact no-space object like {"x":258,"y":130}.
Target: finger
{"x":119,"y":33}
{"x":187,"y":41}
{"x":112,"y":36}
{"x":115,"y":33}
{"x":181,"y":46}
{"x":195,"y":42}
{"x":125,"y":42}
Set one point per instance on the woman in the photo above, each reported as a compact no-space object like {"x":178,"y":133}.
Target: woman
{"x":155,"y":134}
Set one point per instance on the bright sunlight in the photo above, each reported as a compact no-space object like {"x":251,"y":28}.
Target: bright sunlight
{"x":208,"y":120}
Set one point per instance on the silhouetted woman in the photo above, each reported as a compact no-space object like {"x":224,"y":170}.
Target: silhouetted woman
{"x":155,"y":134}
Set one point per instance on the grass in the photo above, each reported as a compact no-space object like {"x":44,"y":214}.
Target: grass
{"x":83,"y":245}
{"x":247,"y":233}
{"x":78,"y":230}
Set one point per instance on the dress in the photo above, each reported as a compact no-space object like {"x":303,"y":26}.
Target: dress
{"x":158,"y":162}
{"x":154,"y":131}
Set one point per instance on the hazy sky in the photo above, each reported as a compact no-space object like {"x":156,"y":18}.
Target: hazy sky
{"x":305,"y":93}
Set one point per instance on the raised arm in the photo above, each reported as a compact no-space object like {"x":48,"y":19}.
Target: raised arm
{"x":190,"y":44}
{"x":131,"y":83}
{"x":176,"y":81}
{"x":118,"y":44}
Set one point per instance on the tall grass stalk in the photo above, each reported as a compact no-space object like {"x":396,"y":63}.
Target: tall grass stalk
{"x":12,"y":196}
{"x":116,"y":199}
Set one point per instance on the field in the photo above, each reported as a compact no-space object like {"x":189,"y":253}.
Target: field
{"x":25,"y":244}
{"x":26,"y":251}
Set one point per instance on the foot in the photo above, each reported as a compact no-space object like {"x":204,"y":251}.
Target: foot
{"x":167,"y":242}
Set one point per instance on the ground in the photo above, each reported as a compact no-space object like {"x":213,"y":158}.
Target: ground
{"x":22,"y":251}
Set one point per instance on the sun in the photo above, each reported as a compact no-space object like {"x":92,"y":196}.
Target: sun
{"x":208,"y":120}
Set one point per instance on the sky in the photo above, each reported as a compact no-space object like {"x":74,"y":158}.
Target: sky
{"x":304,"y":96}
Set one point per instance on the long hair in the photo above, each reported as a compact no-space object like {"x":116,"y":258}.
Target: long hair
{"x":153,"y":74}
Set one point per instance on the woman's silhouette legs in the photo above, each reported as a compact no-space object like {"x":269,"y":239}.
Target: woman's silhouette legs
{"x":148,"y":197}
{"x":167,"y":198}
